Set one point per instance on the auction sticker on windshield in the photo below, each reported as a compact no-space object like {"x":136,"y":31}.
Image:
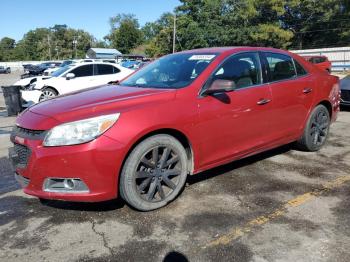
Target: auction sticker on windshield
{"x":201,"y":57}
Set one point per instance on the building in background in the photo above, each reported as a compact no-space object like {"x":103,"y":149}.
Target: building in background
{"x":102,"y":53}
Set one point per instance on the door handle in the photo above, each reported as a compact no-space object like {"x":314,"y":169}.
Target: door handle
{"x":263,"y":101}
{"x":307,"y":90}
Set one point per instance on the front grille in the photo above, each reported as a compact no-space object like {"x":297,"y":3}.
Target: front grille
{"x":345,"y":95}
{"x":28,"y":133}
{"x":22,"y":154}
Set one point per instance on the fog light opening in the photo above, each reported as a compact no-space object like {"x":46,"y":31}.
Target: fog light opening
{"x":65,"y":185}
{"x":69,"y":184}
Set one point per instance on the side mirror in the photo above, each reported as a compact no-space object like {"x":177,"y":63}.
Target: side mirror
{"x":220,"y":86}
{"x":70,"y":76}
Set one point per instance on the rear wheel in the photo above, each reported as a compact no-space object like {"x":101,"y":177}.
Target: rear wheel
{"x":47,"y":94}
{"x":154,"y":173}
{"x":316,"y":130}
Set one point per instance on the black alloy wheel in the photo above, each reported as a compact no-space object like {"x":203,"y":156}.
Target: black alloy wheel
{"x":316,"y":130}
{"x":154,"y":173}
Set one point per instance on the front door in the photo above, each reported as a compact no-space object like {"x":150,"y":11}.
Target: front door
{"x":233,"y":124}
{"x":84,"y":78}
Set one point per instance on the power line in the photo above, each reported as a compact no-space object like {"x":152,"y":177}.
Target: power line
{"x":326,"y":22}
{"x":323,"y":30}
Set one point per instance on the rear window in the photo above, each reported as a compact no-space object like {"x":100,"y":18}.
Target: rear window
{"x":320,"y":60}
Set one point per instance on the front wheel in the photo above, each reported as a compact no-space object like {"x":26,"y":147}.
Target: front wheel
{"x":316,"y":130}
{"x":47,"y":94}
{"x":154,"y":173}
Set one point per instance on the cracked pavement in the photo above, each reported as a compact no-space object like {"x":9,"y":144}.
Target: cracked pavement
{"x":224,"y":214}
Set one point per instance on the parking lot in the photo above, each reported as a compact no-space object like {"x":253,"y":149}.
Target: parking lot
{"x":281,"y":205}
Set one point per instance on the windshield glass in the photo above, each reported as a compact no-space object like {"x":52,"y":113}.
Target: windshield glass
{"x":172,"y":71}
{"x":67,"y":62}
{"x":61,"y":70}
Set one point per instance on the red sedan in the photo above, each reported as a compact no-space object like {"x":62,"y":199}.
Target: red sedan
{"x":321,"y":62}
{"x":180,"y":115}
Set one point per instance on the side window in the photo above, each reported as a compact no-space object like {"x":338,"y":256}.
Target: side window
{"x":300,"y":70}
{"x":244,"y":69}
{"x":115,"y":70}
{"x":81,"y":71}
{"x":280,"y":66}
{"x":105,"y":69}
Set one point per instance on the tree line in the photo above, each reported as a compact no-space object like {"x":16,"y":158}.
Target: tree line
{"x":288,"y":24}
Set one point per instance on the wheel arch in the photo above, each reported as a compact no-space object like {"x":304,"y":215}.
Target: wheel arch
{"x":328,"y":105}
{"x":180,"y":136}
{"x":51,"y":87}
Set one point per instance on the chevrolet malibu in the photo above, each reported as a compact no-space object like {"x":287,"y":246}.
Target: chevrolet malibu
{"x":180,"y":115}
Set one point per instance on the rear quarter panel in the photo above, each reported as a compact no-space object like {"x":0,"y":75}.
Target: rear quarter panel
{"x":325,"y":86}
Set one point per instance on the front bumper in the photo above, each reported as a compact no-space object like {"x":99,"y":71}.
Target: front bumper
{"x":30,"y":97}
{"x":97,"y":163}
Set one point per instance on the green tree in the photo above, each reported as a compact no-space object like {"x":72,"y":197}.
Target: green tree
{"x":318,"y":24}
{"x":7,"y":46}
{"x":125,"y":32}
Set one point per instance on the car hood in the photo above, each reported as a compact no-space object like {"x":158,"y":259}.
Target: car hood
{"x":100,"y":100}
{"x":28,"y":80}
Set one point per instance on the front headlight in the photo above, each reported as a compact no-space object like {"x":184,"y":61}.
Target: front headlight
{"x":79,"y":132}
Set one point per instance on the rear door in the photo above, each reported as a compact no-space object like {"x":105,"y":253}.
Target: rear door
{"x":104,"y":73}
{"x":292,"y":92}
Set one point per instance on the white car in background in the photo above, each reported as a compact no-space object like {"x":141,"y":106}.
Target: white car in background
{"x":73,"y":78}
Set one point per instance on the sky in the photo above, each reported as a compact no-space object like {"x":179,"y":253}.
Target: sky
{"x":19,"y":16}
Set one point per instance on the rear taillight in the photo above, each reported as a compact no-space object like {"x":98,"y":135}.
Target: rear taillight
{"x":334,"y":95}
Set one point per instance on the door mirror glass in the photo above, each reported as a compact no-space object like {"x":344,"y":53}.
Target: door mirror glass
{"x":70,"y":76}
{"x":220,"y":86}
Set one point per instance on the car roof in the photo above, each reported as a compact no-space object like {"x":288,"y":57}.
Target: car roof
{"x":220,"y":50}
{"x":93,"y":63}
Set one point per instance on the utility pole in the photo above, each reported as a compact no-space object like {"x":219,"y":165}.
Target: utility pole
{"x":56,"y":49}
{"x":75,"y":41}
{"x":49,"y":43}
{"x":174,"y":33}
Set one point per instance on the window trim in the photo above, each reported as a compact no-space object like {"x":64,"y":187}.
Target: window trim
{"x":210,"y":78}
{"x":287,"y":79}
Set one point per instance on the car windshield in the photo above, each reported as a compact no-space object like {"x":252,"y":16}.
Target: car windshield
{"x":61,"y":70}
{"x":172,"y":71}
{"x":65,"y":63}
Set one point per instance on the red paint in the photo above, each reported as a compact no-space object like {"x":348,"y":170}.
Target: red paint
{"x":219,"y":131}
{"x":321,"y":62}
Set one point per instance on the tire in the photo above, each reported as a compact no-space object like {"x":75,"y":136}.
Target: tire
{"x":47,"y":94}
{"x":154,"y":173}
{"x":316,"y":130}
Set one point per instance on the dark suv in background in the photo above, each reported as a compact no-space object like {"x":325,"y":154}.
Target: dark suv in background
{"x":5,"y":70}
